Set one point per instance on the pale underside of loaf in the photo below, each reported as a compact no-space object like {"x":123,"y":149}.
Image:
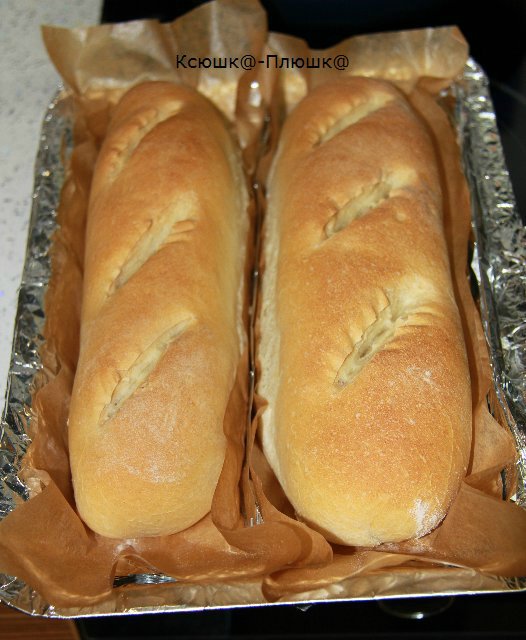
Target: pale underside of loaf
{"x":362,"y":359}
{"x":162,"y":317}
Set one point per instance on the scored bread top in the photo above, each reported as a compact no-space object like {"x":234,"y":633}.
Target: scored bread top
{"x":362,"y":358}
{"x":162,"y":315}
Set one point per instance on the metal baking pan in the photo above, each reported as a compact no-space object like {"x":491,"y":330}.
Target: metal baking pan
{"x":499,"y":265}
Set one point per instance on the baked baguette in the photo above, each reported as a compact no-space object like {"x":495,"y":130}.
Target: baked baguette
{"x":162,"y":315}
{"x":363,"y":364}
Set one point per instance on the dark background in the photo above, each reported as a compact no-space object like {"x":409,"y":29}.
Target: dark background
{"x":497,"y":42}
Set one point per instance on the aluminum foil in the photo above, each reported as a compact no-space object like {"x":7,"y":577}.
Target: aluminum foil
{"x":25,"y":358}
{"x":499,"y":265}
{"x":499,"y":260}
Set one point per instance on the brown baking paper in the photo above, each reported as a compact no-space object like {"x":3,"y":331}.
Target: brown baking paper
{"x":431,"y":58}
{"x":251,"y":534}
{"x":482,"y":531}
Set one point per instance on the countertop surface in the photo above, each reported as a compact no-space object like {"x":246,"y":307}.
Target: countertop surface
{"x":28,"y":81}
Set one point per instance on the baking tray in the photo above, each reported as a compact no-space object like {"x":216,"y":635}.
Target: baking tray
{"x":499,"y":268}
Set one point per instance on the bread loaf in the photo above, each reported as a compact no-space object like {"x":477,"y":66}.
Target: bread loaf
{"x":162,"y":315}
{"x":362,"y":359}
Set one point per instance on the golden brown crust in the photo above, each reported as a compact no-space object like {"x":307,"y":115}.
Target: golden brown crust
{"x":363,"y":363}
{"x":162,"y":329}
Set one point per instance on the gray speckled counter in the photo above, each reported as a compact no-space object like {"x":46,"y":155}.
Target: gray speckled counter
{"x":27,"y":83}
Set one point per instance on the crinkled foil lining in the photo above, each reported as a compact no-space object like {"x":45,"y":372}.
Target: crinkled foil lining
{"x":499,"y":259}
{"x":30,"y":319}
{"x":499,"y":265}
